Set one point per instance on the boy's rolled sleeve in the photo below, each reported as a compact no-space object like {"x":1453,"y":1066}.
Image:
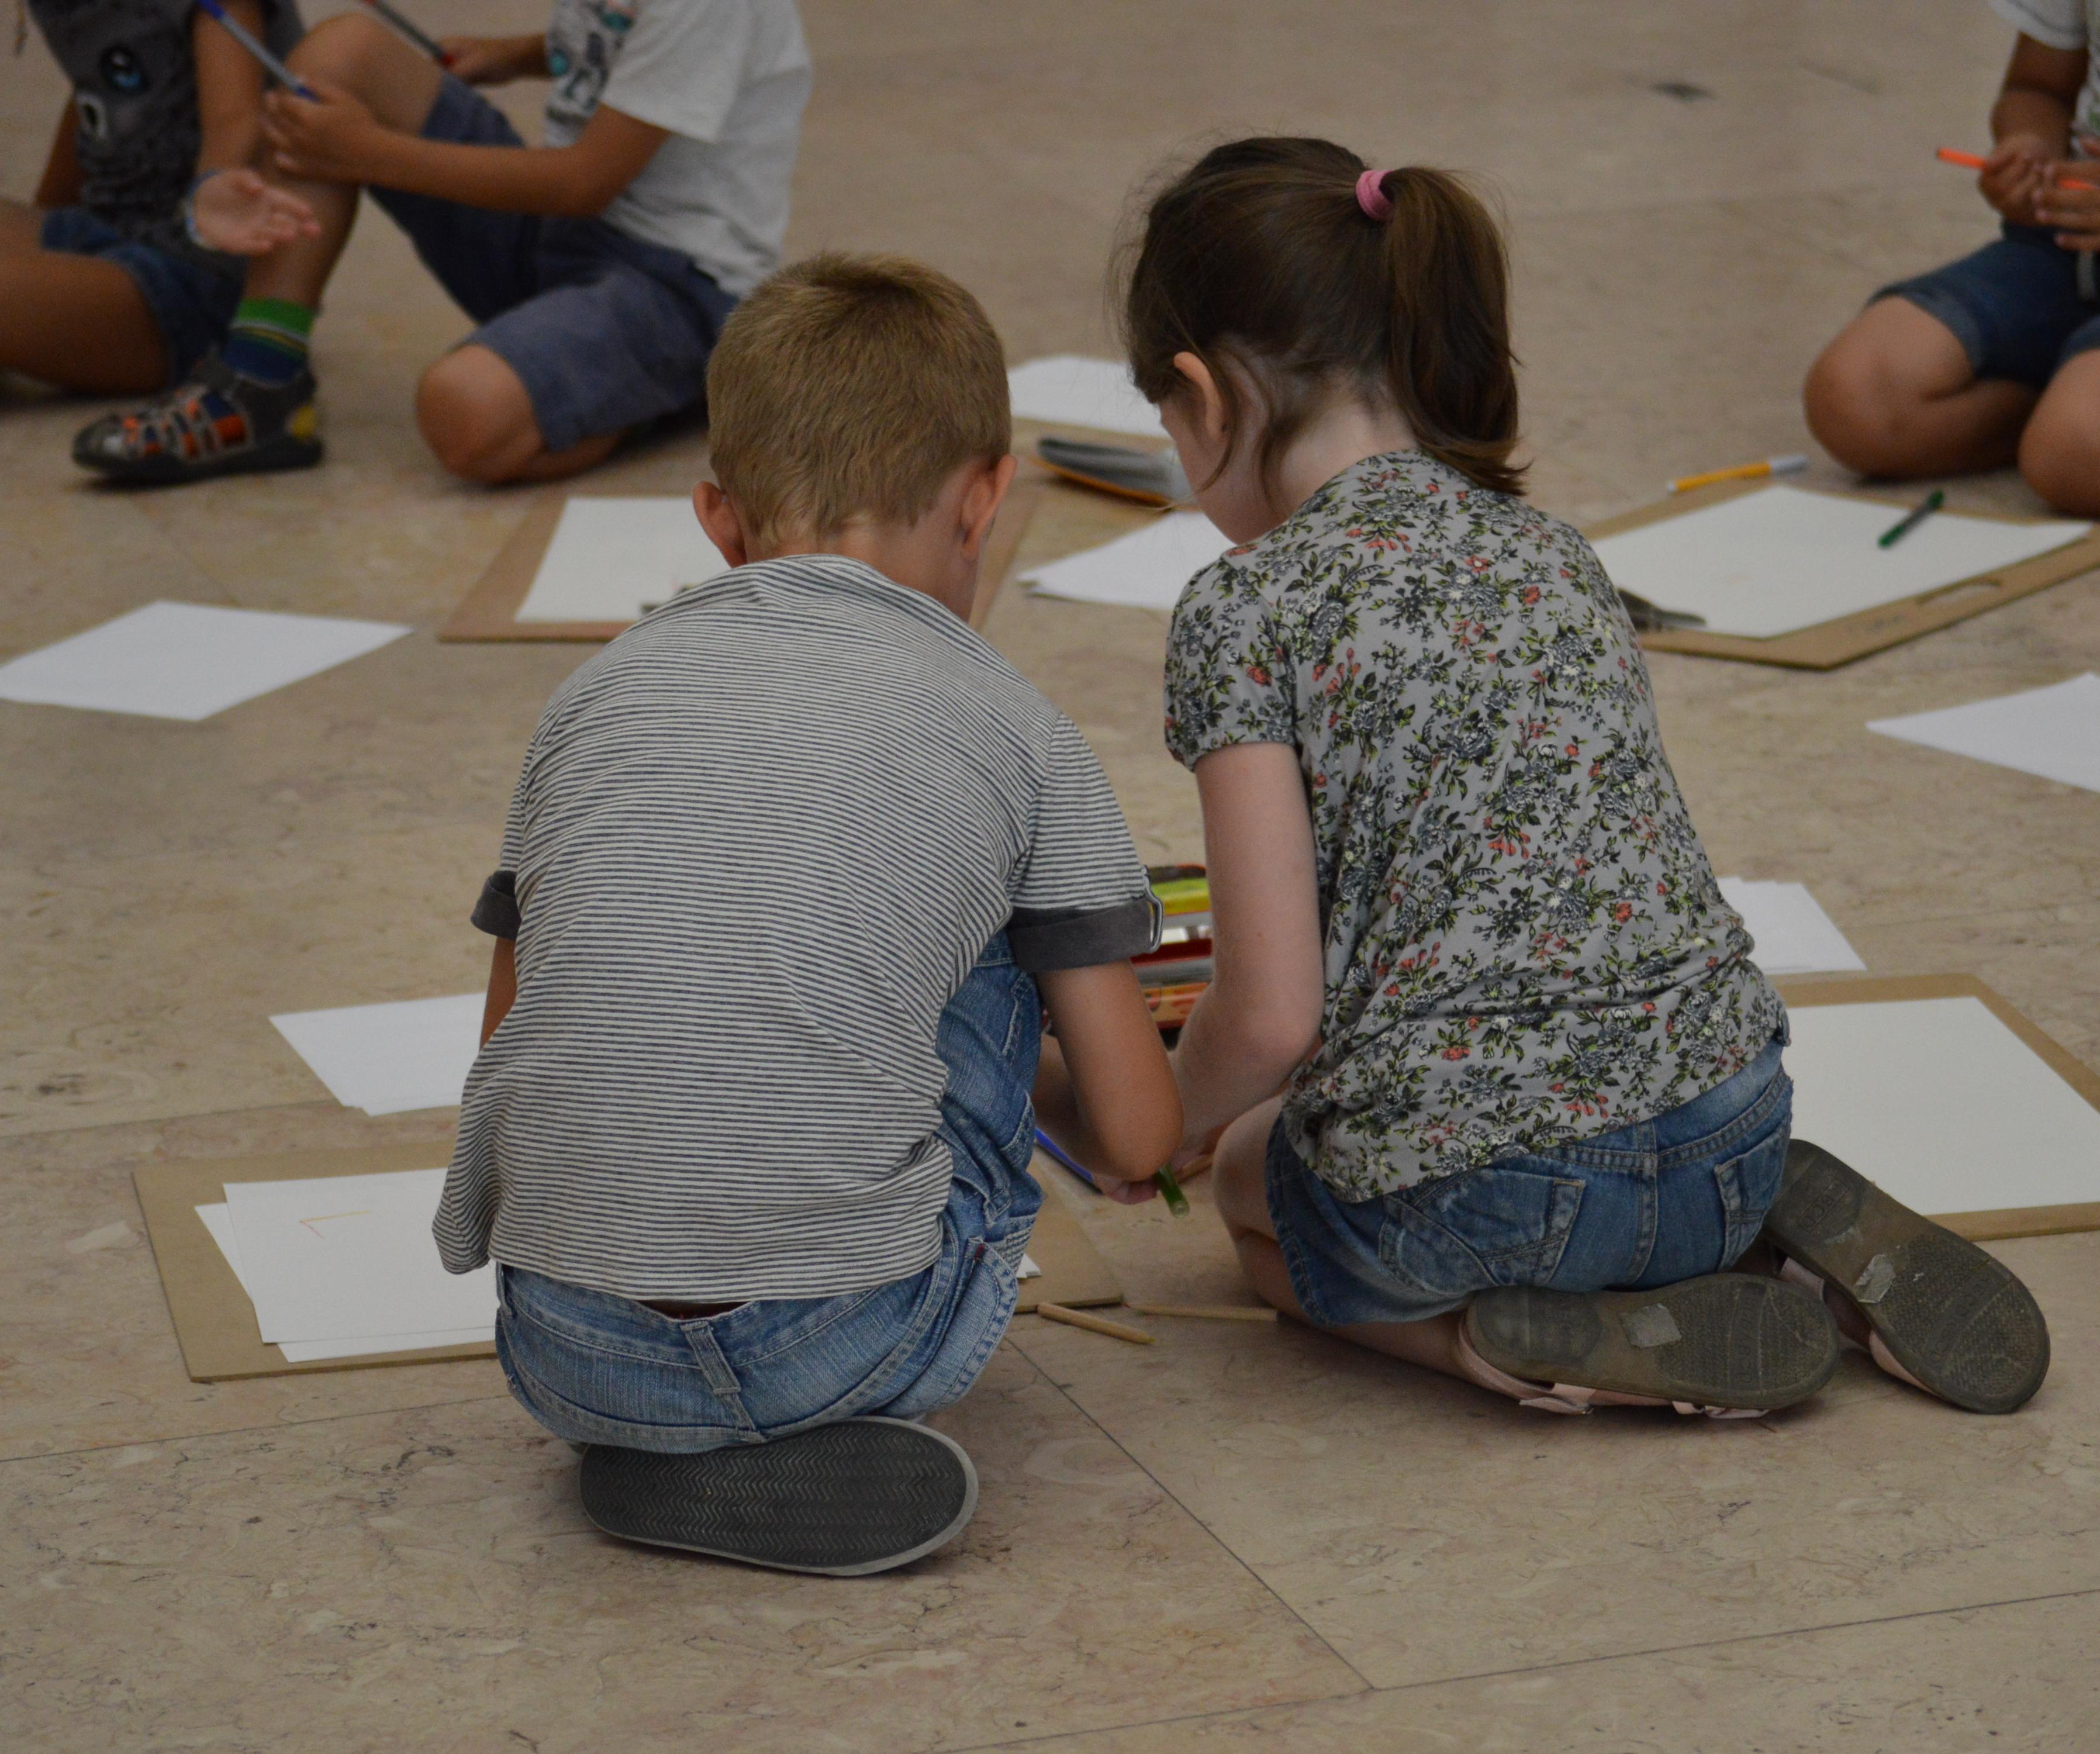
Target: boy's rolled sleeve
{"x":497,"y":910}
{"x":1080,"y":897}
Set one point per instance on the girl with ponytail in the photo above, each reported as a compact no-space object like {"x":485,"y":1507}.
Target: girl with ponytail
{"x":1491,"y":1080}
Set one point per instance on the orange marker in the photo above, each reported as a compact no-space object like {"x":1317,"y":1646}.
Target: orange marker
{"x":1971,"y":161}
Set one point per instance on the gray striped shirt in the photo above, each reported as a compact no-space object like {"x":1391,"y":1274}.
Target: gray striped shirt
{"x":757,"y":845}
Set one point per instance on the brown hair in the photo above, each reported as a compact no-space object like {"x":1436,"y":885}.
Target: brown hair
{"x":849,"y":388}
{"x":1261,"y":254}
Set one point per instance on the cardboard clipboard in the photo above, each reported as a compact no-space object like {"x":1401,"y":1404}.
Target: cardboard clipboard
{"x":1828,"y":644}
{"x":489,"y":611}
{"x":215,"y":1323}
{"x":1978,"y":1226}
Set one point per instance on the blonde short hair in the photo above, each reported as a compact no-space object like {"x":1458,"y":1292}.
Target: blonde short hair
{"x":849,"y":388}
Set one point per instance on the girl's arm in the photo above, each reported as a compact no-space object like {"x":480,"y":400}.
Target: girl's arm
{"x":1261,"y":1015}
{"x":59,"y":185}
{"x":232,"y":208}
{"x":336,"y":139}
{"x":1103,"y":1088}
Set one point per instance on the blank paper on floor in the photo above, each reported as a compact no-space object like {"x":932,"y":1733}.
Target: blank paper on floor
{"x":186,"y":660}
{"x":1793,"y":935}
{"x":1786,"y":558}
{"x":343,"y":1257}
{"x":614,"y":559}
{"x":2054,"y":731}
{"x":1146,"y":569}
{"x":1069,"y":391}
{"x":1940,"y":1103}
{"x":387,"y":1059}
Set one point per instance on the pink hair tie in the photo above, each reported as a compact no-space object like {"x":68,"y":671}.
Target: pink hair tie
{"x":1372,"y":197}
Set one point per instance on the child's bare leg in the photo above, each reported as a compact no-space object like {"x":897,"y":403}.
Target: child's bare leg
{"x":78,"y":322}
{"x":1243,"y":1203}
{"x":2060,"y":450}
{"x":1895,"y":394}
{"x":477,"y":418}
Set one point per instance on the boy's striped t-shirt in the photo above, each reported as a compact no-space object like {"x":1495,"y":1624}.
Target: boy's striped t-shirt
{"x":757,"y":844}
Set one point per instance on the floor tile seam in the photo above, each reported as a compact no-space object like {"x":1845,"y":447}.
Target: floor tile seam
{"x":1168,"y":1722}
{"x":238,"y":1431}
{"x":207,"y":1114}
{"x":1173,"y":1498}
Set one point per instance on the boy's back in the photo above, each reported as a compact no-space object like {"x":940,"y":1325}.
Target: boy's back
{"x":758,"y":847}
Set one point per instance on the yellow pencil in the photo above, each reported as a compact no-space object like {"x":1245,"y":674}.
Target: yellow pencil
{"x":1771,"y":465}
{"x":1094,"y":1325}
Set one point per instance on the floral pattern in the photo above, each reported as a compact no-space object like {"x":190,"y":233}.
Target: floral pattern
{"x":1524,"y":942}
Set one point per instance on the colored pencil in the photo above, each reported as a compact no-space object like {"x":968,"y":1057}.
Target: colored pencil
{"x":1209,"y":1312}
{"x":1950,"y":155}
{"x":1049,"y":1148}
{"x":1177,"y":1202}
{"x":274,"y":68}
{"x":1093,"y":1324}
{"x":407,"y":29}
{"x":1910,"y":520}
{"x":1771,"y":465}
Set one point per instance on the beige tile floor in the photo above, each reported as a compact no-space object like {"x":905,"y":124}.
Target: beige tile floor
{"x":1244,"y":1536}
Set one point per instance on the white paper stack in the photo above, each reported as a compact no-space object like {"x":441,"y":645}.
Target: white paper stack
{"x":1147,"y":569}
{"x":615,"y":559}
{"x":344,"y":1266}
{"x":1069,"y":391}
{"x":1793,"y":935}
{"x":386,"y":1059}
{"x":2054,"y":731}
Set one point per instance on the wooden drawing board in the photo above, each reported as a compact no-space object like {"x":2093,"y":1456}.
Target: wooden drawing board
{"x":1830,"y":644}
{"x":489,"y":611}
{"x":215,"y":1323}
{"x":1990,"y":1224}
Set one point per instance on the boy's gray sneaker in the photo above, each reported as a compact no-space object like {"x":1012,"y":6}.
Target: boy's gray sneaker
{"x":219,"y":423}
{"x":861,"y":1495}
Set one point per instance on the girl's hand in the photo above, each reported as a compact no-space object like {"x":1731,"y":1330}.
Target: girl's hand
{"x":237,"y":212}
{"x":2014,"y":175}
{"x":327,"y":138}
{"x":1127,"y":1193}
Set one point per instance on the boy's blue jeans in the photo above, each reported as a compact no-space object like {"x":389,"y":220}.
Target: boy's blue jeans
{"x":596,"y":1368}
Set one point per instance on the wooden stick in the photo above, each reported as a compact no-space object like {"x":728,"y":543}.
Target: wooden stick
{"x":1094,"y":1325}
{"x":1209,"y":1312}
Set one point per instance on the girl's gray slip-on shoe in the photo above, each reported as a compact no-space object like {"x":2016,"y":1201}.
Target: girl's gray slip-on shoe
{"x":846,"y":1500}
{"x":1956,"y":1320}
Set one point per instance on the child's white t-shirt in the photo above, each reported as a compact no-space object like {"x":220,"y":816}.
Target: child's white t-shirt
{"x":728,"y":79}
{"x":2063,"y":24}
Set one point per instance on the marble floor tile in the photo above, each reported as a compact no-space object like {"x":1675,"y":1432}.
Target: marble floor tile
{"x":426,"y":1578}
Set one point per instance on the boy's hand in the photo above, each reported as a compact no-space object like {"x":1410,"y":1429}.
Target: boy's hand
{"x":2074,"y":213}
{"x":493,"y":60}
{"x":327,"y":138}
{"x":237,"y":212}
{"x":2014,"y":175}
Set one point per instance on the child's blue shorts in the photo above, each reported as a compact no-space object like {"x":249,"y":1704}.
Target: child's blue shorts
{"x":605,"y":332}
{"x":2013,"y":305}
{"x":1650,"y":1204}
{"x":191,"y":303}
{"x":595,"y":1368}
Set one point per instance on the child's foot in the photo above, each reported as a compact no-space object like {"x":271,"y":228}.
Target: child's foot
{"x":861,"y":1495}
{"x":1730,"y":1343}
{"x":220,"y":423}
{"x":1937,"y":1310}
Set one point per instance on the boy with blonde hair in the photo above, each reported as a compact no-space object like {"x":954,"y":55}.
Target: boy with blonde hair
{"x":788,"y":866}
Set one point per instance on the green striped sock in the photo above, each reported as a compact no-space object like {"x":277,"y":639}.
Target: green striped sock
{"x":268,"y":340}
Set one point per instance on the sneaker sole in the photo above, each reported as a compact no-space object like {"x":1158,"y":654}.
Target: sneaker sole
{"x":1954,"y":1317}
{"x":1727,"y":1340}
{"x":166,"y":472}
{"x":846,"y":1500}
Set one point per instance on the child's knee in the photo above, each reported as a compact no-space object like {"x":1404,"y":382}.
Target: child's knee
{"x":474,"y":416}
{"x":1854,"y":404}
{"x":2059,"y":455}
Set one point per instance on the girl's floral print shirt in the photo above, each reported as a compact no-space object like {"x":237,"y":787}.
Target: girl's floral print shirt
{"x":1524,"y":944}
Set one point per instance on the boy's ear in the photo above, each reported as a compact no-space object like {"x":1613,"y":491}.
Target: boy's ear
{"x":718,"y":517}
{"x":985,"y":493}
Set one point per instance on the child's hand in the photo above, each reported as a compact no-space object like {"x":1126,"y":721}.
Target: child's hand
{"x":326,"y":138}
{"x":2072,"y":213}
{"x":237,"y":212}
{"x":1127,"y":1193}
{"x":2014,"y":175}
{"x":483,"y":60}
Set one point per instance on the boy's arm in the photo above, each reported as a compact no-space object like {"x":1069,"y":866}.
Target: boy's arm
{"x":502,"y":987}
{"x":1261,"y":1015}
{"x":335,"y":138}
{"x":59,"y":185}
{"x":2031,"y":124}
{"x":1103,"y":1090}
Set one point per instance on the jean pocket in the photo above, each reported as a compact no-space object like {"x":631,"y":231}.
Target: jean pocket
{"x":1499,"y":1225}
{"x":974,"y":1330}
{"x":1749,"y":1183}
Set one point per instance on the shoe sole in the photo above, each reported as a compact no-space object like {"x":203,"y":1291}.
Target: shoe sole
{"x":1955,"y":1317}
{"x":166,"y":472}
{"x":846,"y":1500}
{"x":1727,"y":1340}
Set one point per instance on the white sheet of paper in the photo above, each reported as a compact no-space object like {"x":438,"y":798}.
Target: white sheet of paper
{"x":388,"y":1058}
{"x":1938,"y":1103}
{"x":186,"y":660}
{"x":1071,"y":390}
{"x":218,"y":1220}
{"x":1787,"y":558}
{"x":1794,"y":936}
{"x":347,"y":1258}
{"x":1146,"y":569}
{"x":1029,"y":1269}
{"x":2053,"y":731}
{"x":613,"y":559}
